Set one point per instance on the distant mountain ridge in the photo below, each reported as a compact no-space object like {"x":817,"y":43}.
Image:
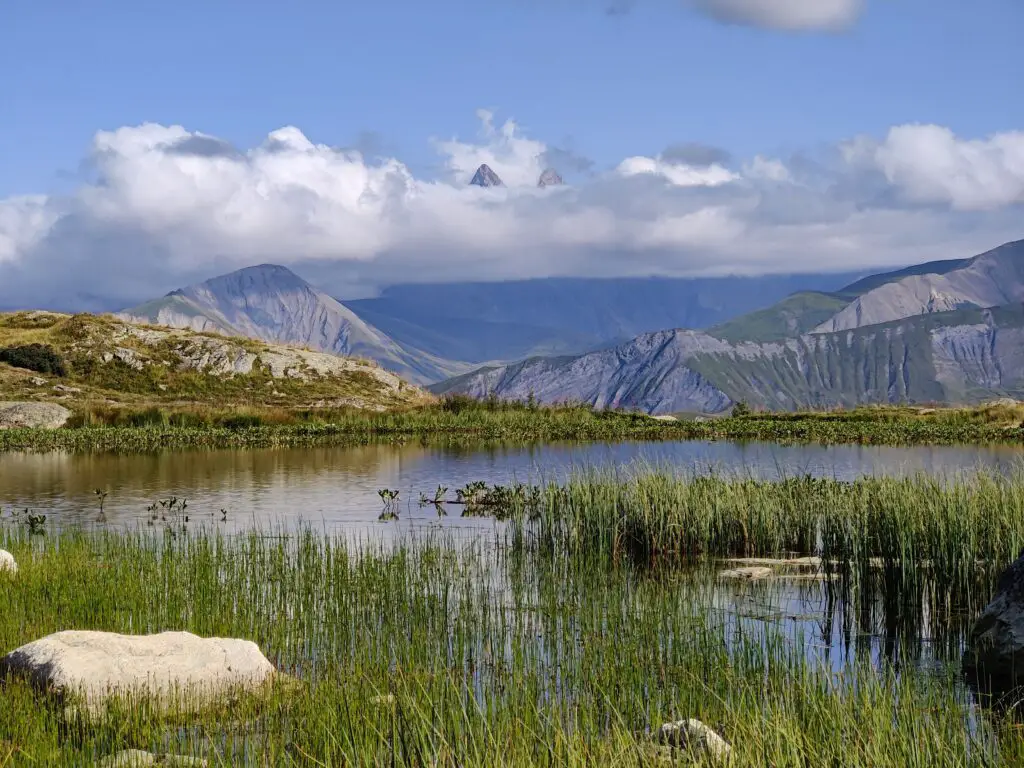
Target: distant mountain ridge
{"x":272,"y":303}
{"x":948,"y":331}
{"x":961,"y":356}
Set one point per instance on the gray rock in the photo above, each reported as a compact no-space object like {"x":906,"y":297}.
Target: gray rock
{"x":994,"y":657}
{"x":170,"y":668}
{"x":485,"y":177}
{"x":137,"y":758}
{"x":549,"y":178}
{"x":7,"y":562}
{"x":35,"y":415}
{"x":38,"y":381}
{"x":694,"y":736}
{"x":747,"y":573}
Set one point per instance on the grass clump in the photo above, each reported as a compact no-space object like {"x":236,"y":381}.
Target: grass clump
{"x":433,"y":653}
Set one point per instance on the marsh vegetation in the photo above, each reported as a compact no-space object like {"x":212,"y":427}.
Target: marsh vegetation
{"x":596,"y":614}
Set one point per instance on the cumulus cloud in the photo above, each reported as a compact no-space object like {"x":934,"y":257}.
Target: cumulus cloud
{"x":169,"y":206}
{"x":790,"y":15}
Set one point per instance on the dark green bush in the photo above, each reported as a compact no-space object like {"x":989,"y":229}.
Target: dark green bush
{"x":40,"y":358}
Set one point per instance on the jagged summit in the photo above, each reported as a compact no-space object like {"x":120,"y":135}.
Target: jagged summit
{"x":485,"y":177}
{"x":549,"y":178}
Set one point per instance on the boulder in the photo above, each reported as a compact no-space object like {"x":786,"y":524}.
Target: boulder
{"x":693,"y":736}
{"x":35,"y":415}
{"x":137,"y":758}
{"x":7,"y":562}
{"x":748,"y":573}
{"x":994,"y":658}
{"x":170,"y":668}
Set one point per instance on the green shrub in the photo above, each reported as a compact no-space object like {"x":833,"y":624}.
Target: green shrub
{"x":740,"y":409}
{"x":41,"y":358}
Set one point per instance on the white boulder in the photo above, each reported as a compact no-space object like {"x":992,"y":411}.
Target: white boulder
{"x":137,"y":758}
{"x":692,"y":735}
{"x":170,"y":668}
{"x":7,"y":562}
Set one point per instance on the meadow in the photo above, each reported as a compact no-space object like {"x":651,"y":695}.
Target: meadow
{"x":594,"y":615}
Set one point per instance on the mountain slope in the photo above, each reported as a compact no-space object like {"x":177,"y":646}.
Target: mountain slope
{"x":991,"y":279}
{"x":794,"y":315}
{"x":960,"y":356}
{"x":272,"y":303}
{"x":482,"y":322}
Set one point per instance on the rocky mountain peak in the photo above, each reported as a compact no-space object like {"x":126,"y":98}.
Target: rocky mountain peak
{"x":549,"y":178}
{"x":485,"y":177}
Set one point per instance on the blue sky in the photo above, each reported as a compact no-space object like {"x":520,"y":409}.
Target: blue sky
{"x":612,"y":85}
{"x":607,"y":83}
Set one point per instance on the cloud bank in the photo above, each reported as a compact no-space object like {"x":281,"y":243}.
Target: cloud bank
{"x":170,"y":206}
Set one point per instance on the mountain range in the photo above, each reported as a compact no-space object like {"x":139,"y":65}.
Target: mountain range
{"x":941,"y":331}
{"x":950,"y":331}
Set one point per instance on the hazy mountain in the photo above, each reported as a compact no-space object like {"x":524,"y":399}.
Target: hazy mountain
{"x":965,"y":355}
{"x":549,"y":178}
{"x":274,"y":304}
{"x":482,"y":322}
{"x":991,"y":279}
{"x":485,"y":177}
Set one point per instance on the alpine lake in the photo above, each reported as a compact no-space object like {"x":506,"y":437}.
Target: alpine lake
{"x":551,"y":605}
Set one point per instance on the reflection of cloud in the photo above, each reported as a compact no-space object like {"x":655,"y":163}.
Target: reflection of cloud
{"x":169,"y":206}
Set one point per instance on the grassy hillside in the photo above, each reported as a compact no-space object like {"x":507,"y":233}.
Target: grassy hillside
{"x":98,"y":361}
{"x":794,"y":315}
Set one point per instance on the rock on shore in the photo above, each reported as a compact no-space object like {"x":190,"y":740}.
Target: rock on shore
{"x":33,"y":415}
{"x":994,"y":658}
{"x":171,"y":668}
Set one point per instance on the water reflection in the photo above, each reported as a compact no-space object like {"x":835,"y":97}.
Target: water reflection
{"x":337,"y":488}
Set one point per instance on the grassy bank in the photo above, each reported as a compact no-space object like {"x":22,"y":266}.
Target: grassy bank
{"x":120,"y":428}
{"x":433,"y":655}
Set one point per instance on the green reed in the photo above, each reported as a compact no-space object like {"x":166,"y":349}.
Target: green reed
{"x":956,"y":533}
{"x":432,"y":653}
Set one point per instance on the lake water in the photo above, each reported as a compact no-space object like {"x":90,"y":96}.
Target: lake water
{"x":336,"y":488}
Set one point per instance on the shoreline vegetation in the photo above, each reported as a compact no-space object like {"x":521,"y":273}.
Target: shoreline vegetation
{"x":459,"y":419}
{"x":434,"y":652}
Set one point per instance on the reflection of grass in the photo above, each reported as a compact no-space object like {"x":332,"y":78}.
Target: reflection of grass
{"x":416,"y":657}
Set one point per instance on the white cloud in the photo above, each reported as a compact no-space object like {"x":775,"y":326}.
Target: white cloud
{"x":171,"y":206}
{"x":930,"y":164}
{"x":792,"y":15}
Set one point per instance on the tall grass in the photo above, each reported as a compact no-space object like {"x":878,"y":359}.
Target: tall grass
{"x":955,"y":532}
{"x":432,"y":654}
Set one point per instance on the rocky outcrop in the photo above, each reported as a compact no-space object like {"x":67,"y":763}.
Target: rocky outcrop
{"x":485,"y":177}
{"x":694,"y":737}
{"x":549,"y":178}
{"x":994,"y":658}
{"x":14,"y":415}
{"x":7,"y":562}
{"x":170,"y":668}
{"x":137,"y":758}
